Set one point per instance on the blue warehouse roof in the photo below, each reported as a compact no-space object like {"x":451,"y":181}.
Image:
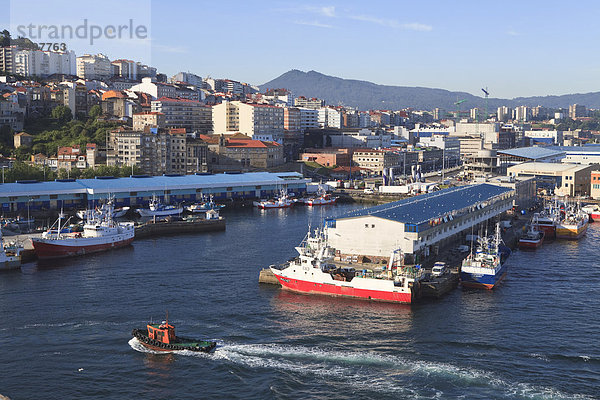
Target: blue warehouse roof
{"x":149,"y":183}
{"x":533,"y":153}
{"x":159,"y":183}
{"x":40,"y":188}
{"x":422,"y":208}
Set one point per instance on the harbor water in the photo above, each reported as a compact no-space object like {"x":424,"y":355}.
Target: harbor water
{"x":66,"y":325}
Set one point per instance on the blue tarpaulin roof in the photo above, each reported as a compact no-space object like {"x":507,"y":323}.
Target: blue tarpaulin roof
{"x":422,"y":208}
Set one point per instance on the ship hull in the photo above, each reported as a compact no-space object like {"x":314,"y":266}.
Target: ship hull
{"x":594,"y":216}
{"x":198,"y":345}
{"x":320,"y":202}
{"x":344,"y":289}
{"x":10,"y":263}
{"x":265,"y":206}
{"x":571,"y":232}
{"x":482,"y":281}
{"x":144,"y":212}
{"x":549,"y":230}
{"x":49,"y":249}
{"x":530,"y":244}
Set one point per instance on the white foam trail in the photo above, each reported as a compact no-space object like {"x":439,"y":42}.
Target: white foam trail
{"x":383,"y":373}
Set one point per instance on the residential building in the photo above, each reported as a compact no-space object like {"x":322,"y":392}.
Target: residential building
{"x":144,"y":149}
{"x":181,"y":113}
{"x":7,"y":59}
{"x":94,"y":67}
{"x":312,"y":102}
{"x":449,"y":144}
{"x":375,"y":160}
{"x":328,"y":157}
{"x":125,"y":69}
{"x":577,"y":111}
{"x":177,"y":151}
{"x":22,"y":139}
{"x":259,"y":121}
{"x":188,"y":77}
{"x":70,"y":158}
{"x":43,"y":63}
{"x":292,"y":121}
{"x":309,"y":118}
{"x":522,"y":113}
{"x":118,"y":104}
{"x":12,"y":114}
{"x":504,"y":113}
{"x":155,"y":89}
{"x":152,"y":119}
{"x":196,"y":155}
{"x":241,"y":153}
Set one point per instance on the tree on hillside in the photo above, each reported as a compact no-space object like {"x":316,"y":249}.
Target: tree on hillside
{"x":95,"y":112}
{"x":4,"y":38}
{"x":62,"y":113}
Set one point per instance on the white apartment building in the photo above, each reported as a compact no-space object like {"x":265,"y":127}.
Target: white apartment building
{"x":94,"y":67}
{"x":330,"y":118}
{"x":259,"y":121}
{"x":155,"y":89}
{"x":188,"y":77}
{"x":309,"y":118}
{"x":43,"y":63}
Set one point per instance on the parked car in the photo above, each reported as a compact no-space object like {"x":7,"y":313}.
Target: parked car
{"x":369,"y":191}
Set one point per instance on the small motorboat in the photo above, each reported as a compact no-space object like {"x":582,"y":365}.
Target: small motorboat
{"x":161,"y":337}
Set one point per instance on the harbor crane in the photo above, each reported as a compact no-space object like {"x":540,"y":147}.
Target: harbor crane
{"x":457,"y":104}
{"x":487,"y":94}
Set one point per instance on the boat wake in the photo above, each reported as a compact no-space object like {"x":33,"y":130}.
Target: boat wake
{"x":369,"y":372}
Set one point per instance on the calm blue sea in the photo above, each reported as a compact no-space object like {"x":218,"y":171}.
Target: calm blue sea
{"x":65,"y":330}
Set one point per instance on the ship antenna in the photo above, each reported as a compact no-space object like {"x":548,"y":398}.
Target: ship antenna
{"x":167,"y":317}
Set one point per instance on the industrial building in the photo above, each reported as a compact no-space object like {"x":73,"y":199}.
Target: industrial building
{"x":417,"y":225}
{"x":565,"y":179}
{"x":69,"y":194}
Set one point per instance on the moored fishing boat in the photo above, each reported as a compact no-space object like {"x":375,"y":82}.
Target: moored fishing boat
{"x":313,"y":272}
{"x":593,"y":211}
{"x":484,"y":268}
{"x":532,"y":239}
{"x":282,"y":201}
{"x":161,"y":337}
{"x":573,"y":222}
{"x":100,"y":233}
{"x":204,"y":206}
{"x":10,"y":255}
{"x":321,"y":199}
{"x":157,"y":209}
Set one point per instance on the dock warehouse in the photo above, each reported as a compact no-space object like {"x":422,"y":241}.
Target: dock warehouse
{"x":417,"y":224}
{"x":138,"y":190}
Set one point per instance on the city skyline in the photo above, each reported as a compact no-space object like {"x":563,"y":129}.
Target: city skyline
{"x":518,"y":50}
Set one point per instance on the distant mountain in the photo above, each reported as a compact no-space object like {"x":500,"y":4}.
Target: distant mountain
{"x":367,"y":95}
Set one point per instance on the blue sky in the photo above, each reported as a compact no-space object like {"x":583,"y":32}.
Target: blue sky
{"x":515,"y":48}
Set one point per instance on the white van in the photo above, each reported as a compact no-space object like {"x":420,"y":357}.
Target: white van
{"x":439,"y":269}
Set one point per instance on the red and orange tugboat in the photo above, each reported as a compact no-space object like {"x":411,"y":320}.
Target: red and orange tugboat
{"x":161,"y":337}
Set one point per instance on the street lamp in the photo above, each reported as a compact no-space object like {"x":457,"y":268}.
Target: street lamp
{"x":4,"y":166}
